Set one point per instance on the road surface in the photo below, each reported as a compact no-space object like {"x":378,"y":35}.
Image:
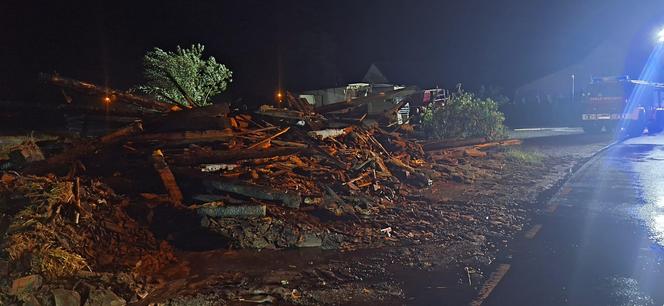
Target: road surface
{"x":600,"y":240}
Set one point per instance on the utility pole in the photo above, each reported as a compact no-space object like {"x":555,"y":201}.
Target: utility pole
{"x":573,"y":85}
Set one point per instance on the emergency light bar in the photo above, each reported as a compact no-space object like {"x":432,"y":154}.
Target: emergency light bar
{"x":610,"y":79}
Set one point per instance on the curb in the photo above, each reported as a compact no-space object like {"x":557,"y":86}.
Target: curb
{"x":576,"y":169}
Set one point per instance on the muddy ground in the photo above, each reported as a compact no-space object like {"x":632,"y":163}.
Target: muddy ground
{"x":441,"y":245}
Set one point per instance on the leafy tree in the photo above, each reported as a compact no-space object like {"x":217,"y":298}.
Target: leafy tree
{"x":464,"y":115}
{"x":183,"y":77}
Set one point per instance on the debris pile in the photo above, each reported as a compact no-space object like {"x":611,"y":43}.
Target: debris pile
{"x":59,"y":231}
{"x":286,"y":169}
{"x":335,"y":177}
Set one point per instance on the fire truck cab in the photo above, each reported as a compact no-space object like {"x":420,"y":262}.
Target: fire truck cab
{"x":606,"y":106}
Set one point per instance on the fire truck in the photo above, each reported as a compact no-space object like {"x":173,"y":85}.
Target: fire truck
{"x":606,"y":106}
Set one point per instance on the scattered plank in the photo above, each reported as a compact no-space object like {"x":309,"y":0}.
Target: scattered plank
{"x":167,"y":177}
{"x":200,"y":156}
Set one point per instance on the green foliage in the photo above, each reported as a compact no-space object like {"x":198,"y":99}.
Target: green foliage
{"x":183,"y":77}
{"x":464,"y":115}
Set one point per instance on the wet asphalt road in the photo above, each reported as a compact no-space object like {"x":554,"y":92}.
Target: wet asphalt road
{"x":600,"y":239}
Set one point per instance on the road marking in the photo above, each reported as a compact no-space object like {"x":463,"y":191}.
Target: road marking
{"x":530,"y":234}
{"x":552,"y":207}
{"x":490,"y":284}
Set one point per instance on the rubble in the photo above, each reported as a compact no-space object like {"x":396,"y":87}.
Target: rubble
{"x":62,"y":232}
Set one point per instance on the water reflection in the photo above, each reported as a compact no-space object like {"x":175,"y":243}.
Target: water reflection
{"x":651,"y":177}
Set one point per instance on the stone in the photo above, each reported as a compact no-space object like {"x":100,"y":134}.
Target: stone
{"x":65,"y":297}
{"x":104,"y":297}
{"x":26,"y":284}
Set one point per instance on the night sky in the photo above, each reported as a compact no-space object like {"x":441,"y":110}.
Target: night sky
{"x":307,"y":44}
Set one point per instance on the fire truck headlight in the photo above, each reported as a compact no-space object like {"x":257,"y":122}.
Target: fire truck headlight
{"x":660,"y":36}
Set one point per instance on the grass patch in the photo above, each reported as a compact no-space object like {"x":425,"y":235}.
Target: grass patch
{"x":519,"y":156}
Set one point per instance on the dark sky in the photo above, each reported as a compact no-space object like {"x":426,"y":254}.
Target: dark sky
{"x":306,"y":44}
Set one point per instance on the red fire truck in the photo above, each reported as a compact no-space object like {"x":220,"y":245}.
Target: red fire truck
{"x":606,"y":106}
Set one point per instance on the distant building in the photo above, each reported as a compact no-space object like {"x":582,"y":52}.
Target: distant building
{"x":374,"y":83}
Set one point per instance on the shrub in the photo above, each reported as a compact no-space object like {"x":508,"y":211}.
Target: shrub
{"x":464,"y":115}
{"x":183,"y":77}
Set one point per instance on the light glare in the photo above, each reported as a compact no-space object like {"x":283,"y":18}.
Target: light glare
{"x":660,"y":36}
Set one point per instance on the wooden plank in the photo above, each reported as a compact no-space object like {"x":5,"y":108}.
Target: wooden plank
{"x":92,"y":89}
{"x":167,"y":177}
{"x":197,"y":157}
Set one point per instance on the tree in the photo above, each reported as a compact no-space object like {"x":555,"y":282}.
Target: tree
{"x":183,"y":77}
{"x":464,"y":115}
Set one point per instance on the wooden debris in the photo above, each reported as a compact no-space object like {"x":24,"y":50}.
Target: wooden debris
{"x":446,"y":144}
{"x":473,"y":152}
{"x":111,"y":94}
{"x":289,"y":199}
{"x":25,"y":152}
{"x":330,"y":133}
{"x":202,"y":156}
{"x":83,"y":149}
{"x":219,"y":210}
{"x":167,"y":177}
{"x":266,"y":142}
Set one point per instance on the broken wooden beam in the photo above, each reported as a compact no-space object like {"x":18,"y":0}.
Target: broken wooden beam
{"x":122,"y":133}
{"x":200,"y":156}
{"x":409,"y":174}
{"x":218,"y":210}
{"x":186,"y":136}
{"x":265,"y":142}
{"x":92,"y":89}
{"x":167,"y":177}
{"x":446,"y":144}
{"x":210,"y":117}
{"x":287,"y":198}
{"x":508,"y":142}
